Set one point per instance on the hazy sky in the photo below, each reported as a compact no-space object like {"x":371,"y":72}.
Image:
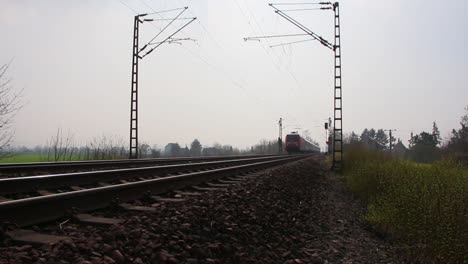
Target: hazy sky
{"x":404,"y":66}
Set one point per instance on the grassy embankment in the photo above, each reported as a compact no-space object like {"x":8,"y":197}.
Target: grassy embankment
{"x":423,"y":206}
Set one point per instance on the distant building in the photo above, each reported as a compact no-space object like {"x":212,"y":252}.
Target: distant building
{"x":211,"y":151}
{"x":372,"y":143}
{"x":400,"y":150}
{"x":172,"y":150}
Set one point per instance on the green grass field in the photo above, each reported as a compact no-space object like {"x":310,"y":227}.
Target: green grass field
{"x":423,"y":206}
{"x":28,"y":157}
{"x":23,"y":157}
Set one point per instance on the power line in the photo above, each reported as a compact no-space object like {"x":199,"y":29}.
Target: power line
{"x":289,"y":43}
{"x":278,"y":66}
{"x":211,"y":64}
{"x":128,"y":7}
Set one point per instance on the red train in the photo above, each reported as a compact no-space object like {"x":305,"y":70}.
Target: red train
{"x":297,"y":144}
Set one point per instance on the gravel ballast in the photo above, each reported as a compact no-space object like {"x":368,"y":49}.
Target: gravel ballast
{"x":297,"y":213}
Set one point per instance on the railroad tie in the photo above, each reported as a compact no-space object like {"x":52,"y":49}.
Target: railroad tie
{"x":76,"y":188}
{"x":44,"y":192}
{"x":218,"y":185}
{"x":187,"y":193}
{"x":170,"y":200}
{"x":229,"y":182}
{"x":95,"y":220}
{"x":236,"y":179}
{"x":205,"y":189}
{"x":32,"y":237}
{"x":3,"y":199}
{"x":130,"y":207}
{"x":251,"y":176}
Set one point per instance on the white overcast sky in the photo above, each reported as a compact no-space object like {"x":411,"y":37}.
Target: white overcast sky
{"x":404,"y":66}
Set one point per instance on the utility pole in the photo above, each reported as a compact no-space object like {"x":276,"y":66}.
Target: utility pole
{"x":136,"y":56}
{"x":391,"y":137}
{"x":280,"y":138}
{"x":337,"y":135}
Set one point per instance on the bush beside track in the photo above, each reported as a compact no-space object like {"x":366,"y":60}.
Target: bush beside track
{"x":424,"y":206}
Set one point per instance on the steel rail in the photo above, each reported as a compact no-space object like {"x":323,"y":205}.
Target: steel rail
{"x":54,"y":181}
{"x":41,"y":209}
{"x":31,"y":167}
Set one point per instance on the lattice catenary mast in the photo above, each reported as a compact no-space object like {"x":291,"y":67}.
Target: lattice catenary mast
{"x":136,"y":56}
{"x":337,"y":137}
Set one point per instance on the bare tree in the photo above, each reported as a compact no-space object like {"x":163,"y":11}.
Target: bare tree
{"x":60,"y":148}
{"x":106,"y":147}
{"x":9,"y":107}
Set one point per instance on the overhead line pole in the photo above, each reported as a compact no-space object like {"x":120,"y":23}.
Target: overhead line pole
{"x":134,"y":92}
{"x":338,"y":97}
{"x":337,"y":136}
{"x":133,"y":152}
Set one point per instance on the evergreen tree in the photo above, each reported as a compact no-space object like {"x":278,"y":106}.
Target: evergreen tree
{"x":424,"y":147}
{"x":381,"y":137}
{"x":411,"y":140}
{"x":459,"y":139}
{"x":195,"y":148}
{"x":436,"y":134}
{"x":353,"y":138}
{"x":365,"y":135}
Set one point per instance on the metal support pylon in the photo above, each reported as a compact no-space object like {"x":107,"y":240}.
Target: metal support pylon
{"x":134,"y":154}
{"x":338,"y":107}
{"x":134,"y":94}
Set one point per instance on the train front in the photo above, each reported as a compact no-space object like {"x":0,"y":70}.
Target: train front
{"x":293,"y":143}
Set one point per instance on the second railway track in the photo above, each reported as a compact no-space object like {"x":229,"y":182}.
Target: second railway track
{"x":8,"y":170}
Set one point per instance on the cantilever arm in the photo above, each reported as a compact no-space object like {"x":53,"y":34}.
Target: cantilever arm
{"x":303,"y":28}
{"x":151,"y":50}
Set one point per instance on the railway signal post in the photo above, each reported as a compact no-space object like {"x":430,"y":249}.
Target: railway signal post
{"x":280,"y":138}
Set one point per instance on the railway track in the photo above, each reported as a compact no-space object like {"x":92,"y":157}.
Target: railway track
{"x":31,"y":200}
{"x":36,"y":168}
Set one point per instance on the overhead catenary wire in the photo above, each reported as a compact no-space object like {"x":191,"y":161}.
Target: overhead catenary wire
{"x":276,"y":36}
{"x":278,"y":66}
{"x":133,"y":10}
{"x":266,"y":49}
{"x":289,"y":43}
{"x":162,"y":30}
{"x":151,"y":50}
{"x":212,"y":65}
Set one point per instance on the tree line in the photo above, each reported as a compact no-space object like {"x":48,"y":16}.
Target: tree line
{"x":427,"y":146}
{"x":63,"y":147}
